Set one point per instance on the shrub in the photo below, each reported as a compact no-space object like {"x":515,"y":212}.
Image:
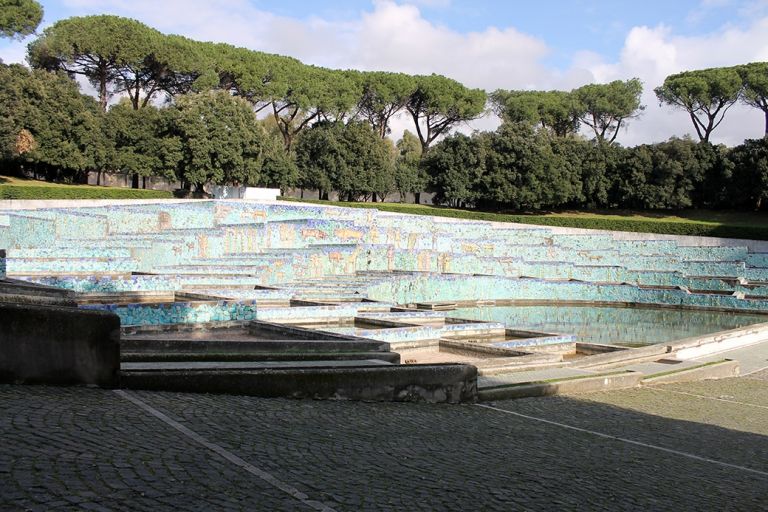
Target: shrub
{"x":64,"y":192}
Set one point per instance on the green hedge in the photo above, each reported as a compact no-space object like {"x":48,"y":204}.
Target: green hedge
{"x":65,"y":192}
{"x":689,"y":228}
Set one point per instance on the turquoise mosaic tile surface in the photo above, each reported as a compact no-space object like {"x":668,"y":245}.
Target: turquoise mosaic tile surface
{"x":233,"y":249}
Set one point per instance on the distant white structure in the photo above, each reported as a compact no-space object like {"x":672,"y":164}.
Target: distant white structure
{"x":262,"y":194}
{"x":252,"y":193}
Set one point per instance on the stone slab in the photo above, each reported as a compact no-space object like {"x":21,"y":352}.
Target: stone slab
{"x":719,"y":370}
{"x":576,"y":385}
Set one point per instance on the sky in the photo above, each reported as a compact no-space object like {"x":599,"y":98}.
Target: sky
{"x":491,"y":44}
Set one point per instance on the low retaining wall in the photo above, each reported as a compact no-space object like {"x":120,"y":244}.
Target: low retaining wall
{"x":451,"y":383}
{"x":58,"y":345}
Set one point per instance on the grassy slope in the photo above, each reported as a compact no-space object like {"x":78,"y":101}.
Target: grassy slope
{"x":18,"y":188}
{"x":689,"y":222}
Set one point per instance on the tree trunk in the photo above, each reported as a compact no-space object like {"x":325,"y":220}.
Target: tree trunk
{"x":766,"y":123}
{"x":417,"y":197}
{"x":103,"y":94}
{"x":135,"y":181}
{"x":103,"y":75}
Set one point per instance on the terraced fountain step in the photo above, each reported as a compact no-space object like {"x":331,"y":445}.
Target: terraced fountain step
{"x":154,"y":366}
{"x":352,"y":380}
{"x":252,"y":357}
{"x":222,"y":344}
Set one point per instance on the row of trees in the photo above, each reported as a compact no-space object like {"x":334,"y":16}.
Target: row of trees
{"x":214,"y":137}
{"x":120,"y":56}
{"x":327,"y":129}
{"x":51,"y":128}
{"x":705,"y":95}
{"x":210,"y":137}
{"x":603,"y":108}
{"x":519,"y":168}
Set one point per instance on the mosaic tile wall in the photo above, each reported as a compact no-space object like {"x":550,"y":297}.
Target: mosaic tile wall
{"x":226,"y":248}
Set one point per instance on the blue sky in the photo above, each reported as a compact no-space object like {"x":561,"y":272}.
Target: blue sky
{"x":483,"y":43}
{"x":566,"y":25}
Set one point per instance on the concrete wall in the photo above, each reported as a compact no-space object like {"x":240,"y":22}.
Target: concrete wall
{"x":395,"y":197}
{"x":125,"y":180}
{"x":58,"y":345}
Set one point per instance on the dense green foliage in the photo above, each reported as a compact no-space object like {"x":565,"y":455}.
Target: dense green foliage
{"x":410,"y":177}
{"x":384,"y":95}
{"x":749,"y":186}
{"x":143,"y":141}
{"x":605,"y":107}
{"x":521,"y":169}
{"x":220,"y":139}
{"x":46,"y":124}
{"x":438,"y":104}
{"x":19,"y":18}
{"x":350,"y":159}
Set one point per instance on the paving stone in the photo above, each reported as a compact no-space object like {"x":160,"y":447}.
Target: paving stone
{"x":77,"y":448}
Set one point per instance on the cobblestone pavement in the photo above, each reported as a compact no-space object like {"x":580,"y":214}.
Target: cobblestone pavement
{"x":90,"y":449}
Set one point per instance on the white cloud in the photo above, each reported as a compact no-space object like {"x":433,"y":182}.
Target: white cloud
{"x":397,"y":38}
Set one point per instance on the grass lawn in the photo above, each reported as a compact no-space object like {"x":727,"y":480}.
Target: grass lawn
{"x":726,"y":224}
{"x":20,"y":188}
